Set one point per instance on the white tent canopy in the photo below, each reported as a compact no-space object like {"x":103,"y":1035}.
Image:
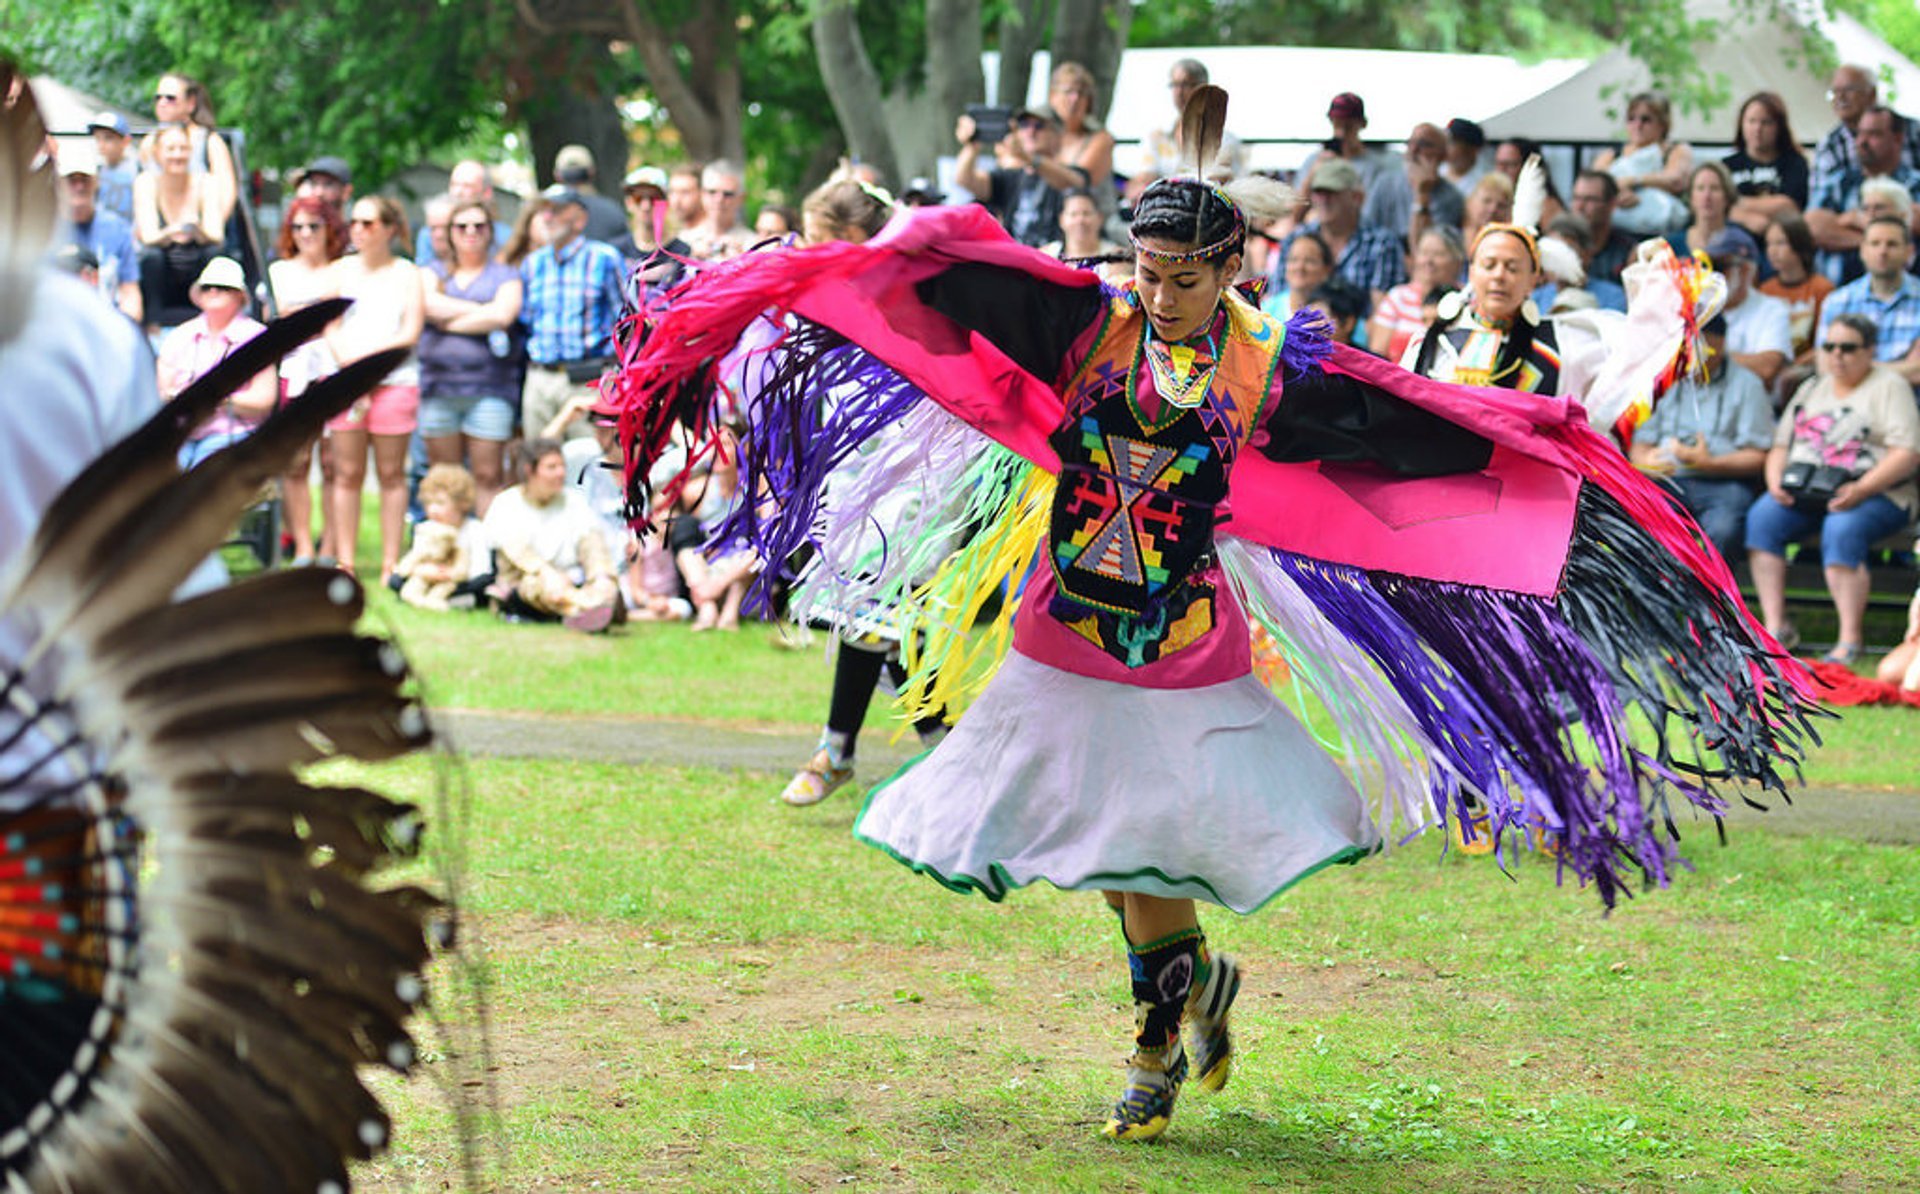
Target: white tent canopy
{"x":1764,"y":56}
{"x":68,"y":111}
{"x":1280,"y":93}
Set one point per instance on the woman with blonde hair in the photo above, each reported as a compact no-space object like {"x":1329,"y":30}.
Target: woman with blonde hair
{"x":180,"y":100}
{"x":388,"y":312}
{"x":176,"y":222}
{"x":1652,"y":171}
{"x":1073,"y":95}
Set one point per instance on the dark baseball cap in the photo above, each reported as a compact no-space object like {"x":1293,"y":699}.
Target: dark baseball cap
{"x":329,"y":165}
{"x":560,"y":194}
{"x":1347,"y":106}
{"x":1733,"y":243}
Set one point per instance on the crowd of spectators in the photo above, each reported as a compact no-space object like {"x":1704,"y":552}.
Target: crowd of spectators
{"x":512,"y":324}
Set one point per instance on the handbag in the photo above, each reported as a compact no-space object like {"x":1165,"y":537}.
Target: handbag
{"x":1813,"y":485}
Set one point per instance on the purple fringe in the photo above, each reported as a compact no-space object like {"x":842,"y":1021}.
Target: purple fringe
{"x":1308,"y":342}
{"x":818,"y":400}
{"x":1497,"y":680}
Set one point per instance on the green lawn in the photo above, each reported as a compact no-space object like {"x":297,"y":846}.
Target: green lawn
{"x":694,"y":988}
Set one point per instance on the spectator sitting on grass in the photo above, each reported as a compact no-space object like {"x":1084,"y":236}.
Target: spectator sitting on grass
{"x":449,"y":555}
{"x":552,"y":559}
{"x":1902,"y":664}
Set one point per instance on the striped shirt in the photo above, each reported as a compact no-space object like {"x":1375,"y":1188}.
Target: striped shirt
{"x":572,"y":301}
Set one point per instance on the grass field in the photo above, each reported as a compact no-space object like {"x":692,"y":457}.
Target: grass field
{"x":692,"y":987}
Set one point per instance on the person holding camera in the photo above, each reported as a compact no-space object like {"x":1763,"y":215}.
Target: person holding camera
{"x":1027,"y":189}
{"x":1842,"y":463}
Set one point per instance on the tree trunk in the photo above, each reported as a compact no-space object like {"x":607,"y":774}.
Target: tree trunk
{"x":904,"y":130}
{"x":1022,"y":30}
{"x":1094,"y":34}
{"x":703,"y":99}
{"x":853,"y":86}
{"x":573,"y":106}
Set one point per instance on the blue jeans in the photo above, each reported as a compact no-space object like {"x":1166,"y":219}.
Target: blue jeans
{"x":1719,"y":505}
{"x":1845,"y":535}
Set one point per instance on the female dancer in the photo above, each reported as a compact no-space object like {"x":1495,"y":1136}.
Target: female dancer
{"x":1123,"y":729}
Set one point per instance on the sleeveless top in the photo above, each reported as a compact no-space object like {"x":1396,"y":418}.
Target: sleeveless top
{"x":376,"y":315}
{"x":456,"y":364}
{"x":1468,"y":351}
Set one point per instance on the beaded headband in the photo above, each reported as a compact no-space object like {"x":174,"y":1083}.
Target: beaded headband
{"x":1235,"y":236}
{"x":1525,"y":234}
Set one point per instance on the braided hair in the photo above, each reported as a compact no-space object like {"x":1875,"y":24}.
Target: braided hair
{"x":1209,"y":217}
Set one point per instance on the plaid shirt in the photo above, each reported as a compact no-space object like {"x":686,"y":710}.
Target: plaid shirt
{"x":572,"y":301}
{"x":1841,"y":192}
{"x":1835,"y":154}
{"x":1372,"y":260}
{"x":1898,"y":318}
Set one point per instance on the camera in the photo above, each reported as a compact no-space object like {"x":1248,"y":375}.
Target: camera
{"x":991,"y":123}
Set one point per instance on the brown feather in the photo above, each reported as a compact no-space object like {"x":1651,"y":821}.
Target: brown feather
{"x":267,"y":608}
{"x":1203,"y":124}
{"x":370,"y":726}
{"x":323,"y":666}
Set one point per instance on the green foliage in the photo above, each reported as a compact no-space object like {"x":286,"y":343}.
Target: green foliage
{"x":697,"y":988}
{"x":110,"y":48}
{"x":380,"y":82}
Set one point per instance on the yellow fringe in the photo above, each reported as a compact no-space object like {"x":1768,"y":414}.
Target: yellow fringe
{"x":950,"y":662}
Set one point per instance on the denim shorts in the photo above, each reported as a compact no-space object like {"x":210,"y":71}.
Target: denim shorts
{"x":476,"y":416}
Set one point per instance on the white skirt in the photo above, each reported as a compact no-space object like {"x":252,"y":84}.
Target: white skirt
{"x":1214,"y":793}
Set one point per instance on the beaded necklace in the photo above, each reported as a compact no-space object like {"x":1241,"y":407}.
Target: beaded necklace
{"x":1182,"y":373}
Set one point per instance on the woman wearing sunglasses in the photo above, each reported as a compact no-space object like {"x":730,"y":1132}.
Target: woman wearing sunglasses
{"x":387,"y":312}
{"x":178,"y":99}
{"x":1843,"y":460}
{"x":470,"y":363}
{"x":312,"y":238}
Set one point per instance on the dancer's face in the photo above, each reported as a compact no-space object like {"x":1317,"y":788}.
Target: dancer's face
{"x":1502,"y":276}
{"x":1179,"y":296}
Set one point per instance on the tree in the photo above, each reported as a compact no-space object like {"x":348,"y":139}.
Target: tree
{"x":902,"y":121}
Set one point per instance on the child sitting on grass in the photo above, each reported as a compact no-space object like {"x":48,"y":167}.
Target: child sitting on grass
{"x":446,"y":546}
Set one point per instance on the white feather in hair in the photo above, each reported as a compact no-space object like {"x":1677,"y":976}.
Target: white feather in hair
{"x":1530,"y":194}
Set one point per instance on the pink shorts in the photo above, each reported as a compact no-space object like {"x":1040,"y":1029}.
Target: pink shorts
{"x":389,"y":410}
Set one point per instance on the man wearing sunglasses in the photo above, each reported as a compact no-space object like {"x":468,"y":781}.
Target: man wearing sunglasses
{"x":1886,"y":294}
{"x":1029,"y":185}
{"x":720,"y":234}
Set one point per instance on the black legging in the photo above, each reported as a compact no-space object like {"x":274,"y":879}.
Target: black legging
{"x":856,"y":673}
